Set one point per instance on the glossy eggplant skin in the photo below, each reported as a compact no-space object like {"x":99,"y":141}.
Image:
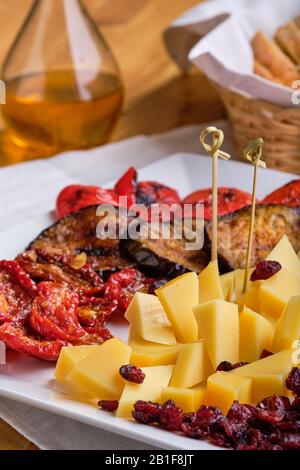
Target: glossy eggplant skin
{"x":165,"y":256}
{"x":71,"y":236}
{"x":271,"y":223}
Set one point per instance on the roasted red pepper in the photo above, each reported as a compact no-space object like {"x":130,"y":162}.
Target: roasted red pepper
{"x":288,"y":195}
{"x":73,"y":198}
{"x":229,"y":200}
{"x":53,"y":312}
{"x":17,"y":338}
{"x":150,"y":192}
{"x":127,"y":186}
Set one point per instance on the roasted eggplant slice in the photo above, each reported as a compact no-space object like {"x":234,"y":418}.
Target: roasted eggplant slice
{"x":45,"y":258}
{"x":271,"y":223}
{"x":168,"y":257}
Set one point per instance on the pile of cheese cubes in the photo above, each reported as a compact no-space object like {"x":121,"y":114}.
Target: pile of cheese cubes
{"x":180,"y":335}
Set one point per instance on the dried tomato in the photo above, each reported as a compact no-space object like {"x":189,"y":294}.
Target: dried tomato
{"x":229,"y":200}
{"x":16,"y":290}
{"x":150,"y":192}
{"x":288,"y":195}
{"x":53,"y":312}
{"x":92,"y":318}
{"x":127,"y":186}
{"x":264,"y":270}
{"x":121,"y":286}
{"x":17,"y":338}
{"x":93,"y":335}
{"x":14,"y":270}
{"x":77,"y":272}
{"x":73,"y":198}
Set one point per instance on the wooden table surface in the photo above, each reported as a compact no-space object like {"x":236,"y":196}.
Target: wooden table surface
{"x":158,"y":96}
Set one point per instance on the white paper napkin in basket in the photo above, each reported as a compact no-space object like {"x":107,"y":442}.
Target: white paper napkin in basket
{"x":224,"y":53}
{"x":28,"y":190}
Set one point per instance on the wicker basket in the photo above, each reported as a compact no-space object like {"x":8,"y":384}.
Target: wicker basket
{"x":279,"y":127}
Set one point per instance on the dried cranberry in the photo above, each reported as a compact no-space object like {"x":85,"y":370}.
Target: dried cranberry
{"x":132,"y":374}
{"x":207,"y":416}
{"x":108,"y":405}
{"x":293,"y":381}
{"x":236,"y":422}
{"x":156,"y":284}
{"x":146,"y":412}
{"x":265,"y":269}
{"x":218,"y":439}
{"x":296,"y":404}
{"x":273,"y":409}
{"x":291,"y":422}
{"x":226,"y":366}
{"x":240,"y":412}
{"x":291,"y":441}
{"x":190,"y":427}
{"x":265,"y":353}
{"x":251,"y":440}
{"x":170,"y":416}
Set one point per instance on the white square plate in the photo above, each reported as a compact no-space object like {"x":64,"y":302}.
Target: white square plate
{"x":31,"y":381}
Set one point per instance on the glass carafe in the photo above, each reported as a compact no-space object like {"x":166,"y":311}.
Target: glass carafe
{"x":63,"y":86}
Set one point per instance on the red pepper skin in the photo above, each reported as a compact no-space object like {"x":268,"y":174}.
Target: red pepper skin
{"x":16,"y":338}
{"x":53,"y":313}
{"x":150,"y":192}
{"x":73,"y":198}
{"x":127,"y":186}
{"x":229,"y":200}
{"x":288,"y":195}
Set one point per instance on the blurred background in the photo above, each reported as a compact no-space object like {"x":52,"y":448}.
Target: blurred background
{"x":157,"y":95}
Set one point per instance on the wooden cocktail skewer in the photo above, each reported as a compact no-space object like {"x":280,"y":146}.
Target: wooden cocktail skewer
{"x":252,"y":153}
{"x":213,"y":149}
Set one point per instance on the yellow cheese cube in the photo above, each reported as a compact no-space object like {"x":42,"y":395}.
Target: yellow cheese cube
{"x":288,"y":326}
{"x":210,"y":287}
{"x":269,"y":374}
{"x":275,"y":364}
{"x":227,"y":282}
{"x":156,"y":378}
{"x":285,"y":254}
{"x":200,"y":395}
{"x":239,"y":296}
{"x":251,"y":298}
{"x":239,"y":275}
{"x":69,"y":357}
{"x":218,"y":323}
{"x":183,"y":397}
{"x":275,"y":292}
{"x":145,"y":353}
{"x":148,"y":318}
{"x":192,"y":366}
{"x":98,"y":373}
{"x":178,"y":298}
{"x":255,"y":335}
{"x":224,"y":388}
